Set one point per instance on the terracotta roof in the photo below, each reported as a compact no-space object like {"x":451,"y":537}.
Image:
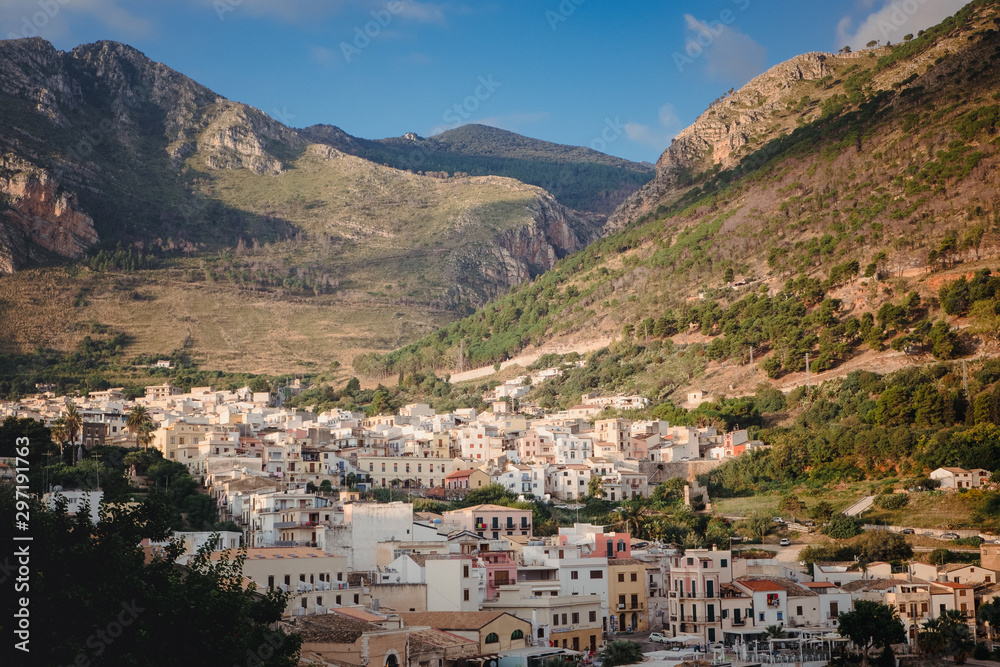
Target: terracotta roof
{"x":359,"y":614}
{"x":624,"y":561}
{"x":952,"y":584}
{"x":460,"y":473}
{"x":441,"y":639}
{"x":331,"y":628}
{"x":759,"y":585}
{"x":817,"y":584}
{"x":486,"y":508}
{"x":452,"y":620}
{"x":872,"y":585}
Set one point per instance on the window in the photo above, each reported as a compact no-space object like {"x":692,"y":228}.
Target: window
{"x":492,"y":638}
{"x":593,"y":617}
{"x":517,"y":634}
{"x":724,"y":562}
{"x":465,"y":571}
{"x":798,"y":611}
{"x":760,"y":616}
{"x":576,"y":617}
{"x":575,"y":574}
{"x":465,"y":594}
{"x":621,"y":576}
{"x":634,"y":577}
{"x":780,"y":615}
{"x":338,"y":599}
{"x":564,"y":619}
{"x":270,"y":581}
{"x":596,"y":574}
{"x":541,"y":633}
{"x":319,"y":601}
{"x":705,"y":564}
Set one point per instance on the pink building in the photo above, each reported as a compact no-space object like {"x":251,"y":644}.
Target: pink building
{"x":501,"y":570}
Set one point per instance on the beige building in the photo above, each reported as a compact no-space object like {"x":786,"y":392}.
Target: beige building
{"x":569,"y":621}
{"x":408,"y":471}
{"x":359,"y":640}
{"x":491,"y":520}
{"x":315,"y":579}
{"x":495,"y":631}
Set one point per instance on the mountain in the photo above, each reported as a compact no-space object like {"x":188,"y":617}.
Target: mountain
{"x":184,"y":204}
{"x":794,"y":217}
{"x":580,"y":178}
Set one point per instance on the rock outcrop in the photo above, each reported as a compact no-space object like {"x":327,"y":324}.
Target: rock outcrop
{"x":722,"y":134}
{"x":38,"y":215}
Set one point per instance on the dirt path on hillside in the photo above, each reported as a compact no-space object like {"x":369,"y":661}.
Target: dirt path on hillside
{"x":525,"y":360}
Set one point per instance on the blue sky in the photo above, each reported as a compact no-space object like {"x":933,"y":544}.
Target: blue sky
{"x":623,"y":77}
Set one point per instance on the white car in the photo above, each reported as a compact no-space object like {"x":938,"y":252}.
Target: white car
{"x":658,"y":637}
{"x":785,"y":542}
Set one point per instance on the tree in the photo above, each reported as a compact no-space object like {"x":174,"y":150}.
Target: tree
{"x":127,"y":611}
{"x":59,"y":435}
{"x":631,"y":517}
{"x":137,"y":421}
{"x":948,"y":633}
{"x":842,"y":527}
{"x":871,"y":625}
{"x":774,"y":632}
{"x":594,"y":487}
{"x":379,"y":404}
{"x":821,"y":511}
{"x":621,"y":652}
{"x":939,"y":556}
{"x":73,"y":423}
{"x":989,"y":614}
{"x":882,"y":546}
{"x":792,"y":505}
{"x":758,"y":524}
{"x":728,"y":275}
{"x":351,"y":480}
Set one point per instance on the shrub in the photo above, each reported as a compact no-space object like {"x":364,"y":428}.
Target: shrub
{"x":843,"y":527}
{"x":892,"y":501}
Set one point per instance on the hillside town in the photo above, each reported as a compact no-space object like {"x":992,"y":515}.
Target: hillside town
{"x":378,"y":581}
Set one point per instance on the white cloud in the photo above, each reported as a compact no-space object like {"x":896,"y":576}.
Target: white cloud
{"x":55,"y":19}
{"x":657,"y":137}
{"x":893,"y":20}
{"x":729,"y":54}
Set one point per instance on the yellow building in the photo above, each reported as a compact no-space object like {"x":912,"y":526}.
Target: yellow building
{"x":627,"y":594}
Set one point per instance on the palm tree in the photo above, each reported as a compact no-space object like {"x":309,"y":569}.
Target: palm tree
{"x":58,"y":432}
{"x":631,"y":518}
{"x":73,"y":423}
{"x":774,"y":632}
{"x":138,"y":418}
{"x":621,"y":652}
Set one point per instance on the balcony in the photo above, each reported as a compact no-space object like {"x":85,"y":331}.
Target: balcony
{"x":739,"y":622}
{"x":621,"y":605}
{"x":673,"y":594}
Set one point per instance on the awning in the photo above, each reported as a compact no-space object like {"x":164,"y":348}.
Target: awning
{"x":685,"y":639}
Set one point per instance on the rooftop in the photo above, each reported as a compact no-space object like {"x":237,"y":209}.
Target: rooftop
{"x":451,"y":620}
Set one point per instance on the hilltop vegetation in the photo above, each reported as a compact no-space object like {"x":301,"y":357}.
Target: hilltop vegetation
{"x":580,"y":178}
{"x":822,"y":236}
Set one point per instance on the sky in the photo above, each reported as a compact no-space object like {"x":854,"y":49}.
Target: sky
{"x":623,"y":77}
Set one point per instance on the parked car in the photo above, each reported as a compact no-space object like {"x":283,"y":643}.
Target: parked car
{"x":808,"y":522}
{"x":949,"y":536}
{"x":658,"y":637}
{"x":927,"y":533}
{"x":736,"y":538}
{"x":785,"y":542}
{"x":908,"y":531}
{"x":778,"y":519}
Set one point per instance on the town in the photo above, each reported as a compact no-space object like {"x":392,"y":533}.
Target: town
{"x":387,"y":582}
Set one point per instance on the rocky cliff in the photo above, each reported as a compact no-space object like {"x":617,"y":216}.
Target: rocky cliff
{"x":722,"y":135}
{"x":38,"y":216}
